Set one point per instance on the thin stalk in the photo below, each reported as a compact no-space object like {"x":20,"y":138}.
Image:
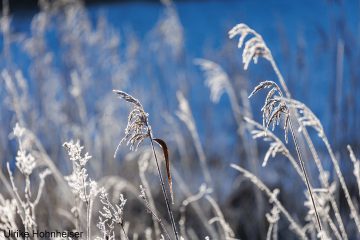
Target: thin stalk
{"x":275,"y":231}
{"x":88,"y":220}
{"x":158,"y":220}
{"x":280,"y":77}
{"x":325,"y":183}
{"x":333,"y":227}
{"x":268,"y":235}
{"x":298,"y":170}
{"x":355,"y":162}
{"x":228,"y":232}
{"x":163,"y":187}
{"x":302,"y":164}
{"x":19,"y":202}
{"x":312,"y":150}
{"x":87,"y":202}
{"x":123,"y":230}
{"x":77,"y":214}
{"x":195,"y":205}
{"x":353,"y":210}
{"x":294,"y":225}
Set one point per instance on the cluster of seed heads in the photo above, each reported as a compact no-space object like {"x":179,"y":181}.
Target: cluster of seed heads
{"x":216,"y":78}
{"x":274,"y":107}
{"x":80,"y":183}
{"x":254,"y":48}
{"x":110,"y":215}
{"x":137,"y":128}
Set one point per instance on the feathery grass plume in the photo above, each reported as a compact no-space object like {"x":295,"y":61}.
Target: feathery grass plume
{"x":273,"y":107}
{"x":138,"y":129}
{"x":254,"y":48}
{"x":110,"y":215}
{"x":273,"y":219}
{"x":276,"y":147}
{"x":309,"y":119}
{"x":244,"y":31}
{"x":82,"y":187}
{"x":218,"y":82}
{"x":216,"y":79}
{"x":272,"y":195}
{"x":356,"y":163}
{"x":269,"y":136}
{"x":171,"y":29}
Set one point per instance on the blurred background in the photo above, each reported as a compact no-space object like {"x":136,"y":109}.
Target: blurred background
{"x":60,"y":60}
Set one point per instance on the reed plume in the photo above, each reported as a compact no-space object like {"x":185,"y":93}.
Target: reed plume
{"x":138,"y":129}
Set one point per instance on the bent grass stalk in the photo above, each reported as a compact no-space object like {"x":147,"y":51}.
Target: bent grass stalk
{"x":309,"y":116}
{"x":302,"y":164}
{"x":354,"y":213}
{"x":185,"y":115}
{"x":312,"y":150}
{"x":138,"y":129}
{"x":269,"y":136}
{"x":287,"y":93}
{"x":192,"y":199}
{"x":228,"y":232}
{"x":194,"y":204}
{"x":293,"y":224}
{"x":254,"y":48}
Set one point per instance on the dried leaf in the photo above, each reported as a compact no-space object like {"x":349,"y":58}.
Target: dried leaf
{"x":167,"y":161}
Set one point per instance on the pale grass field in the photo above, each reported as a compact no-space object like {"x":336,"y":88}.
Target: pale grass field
{"x":83,"y":155}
